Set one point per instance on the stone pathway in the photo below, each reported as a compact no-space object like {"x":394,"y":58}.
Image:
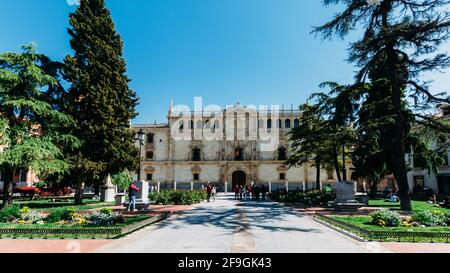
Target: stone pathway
{"x":238,"y":227}
{"x":226,"y":226}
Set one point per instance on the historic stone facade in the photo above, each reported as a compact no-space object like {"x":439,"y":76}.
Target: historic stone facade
{"x":183,"y":152}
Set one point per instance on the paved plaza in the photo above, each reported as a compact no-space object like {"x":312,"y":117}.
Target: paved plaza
{"x":230,"y":226}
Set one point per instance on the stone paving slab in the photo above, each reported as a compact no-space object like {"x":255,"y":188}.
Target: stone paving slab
{"x":50,"y":246}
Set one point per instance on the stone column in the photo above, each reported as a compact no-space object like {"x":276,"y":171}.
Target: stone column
{"x":108,"y":190}
{"x":158,"y":186}
{"x":175,"y":185}
{"x":226,"y":187}
{"x":142,"y":194}
{"x":287,"y":185}
{"x":303,"y":185}
{"x":270,"y":186}
{"x":321,"y":186}
{"x":192,"y":186}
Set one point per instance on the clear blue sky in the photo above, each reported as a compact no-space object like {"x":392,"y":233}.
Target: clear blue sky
{"x":251,"y":51}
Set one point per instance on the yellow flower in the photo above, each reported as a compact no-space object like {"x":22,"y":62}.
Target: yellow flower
{"x":21,"y":222}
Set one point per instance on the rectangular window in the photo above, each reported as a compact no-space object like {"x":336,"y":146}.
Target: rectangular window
{"x":149,"y":155}
{"x":149,"y":177}
{"x":282,"y":176}
{"x":196,"y":177}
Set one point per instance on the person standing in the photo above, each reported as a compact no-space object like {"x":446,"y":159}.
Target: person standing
{"x":213,"y":193}
{"x":132,"y":192}
{"x":209,"y":191}
{"x":263,"y":191}
{"x":236,"y":192}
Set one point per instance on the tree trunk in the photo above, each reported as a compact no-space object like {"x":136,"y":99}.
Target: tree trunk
{"x":336,"y":164}
{"x":8,"y":187}
{"x":79,"y":189}
{"x":318,"y":172}
{"x":373,"y":189}
{"x":398,"y":144}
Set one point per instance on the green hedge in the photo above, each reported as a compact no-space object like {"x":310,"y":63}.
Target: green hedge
{"x":178,"y":197}
{"x":307,"y":198}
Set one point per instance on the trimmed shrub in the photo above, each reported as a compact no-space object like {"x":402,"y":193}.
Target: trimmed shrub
{"x":9,"y":213}
{"x":178,"y":197}
{"x":430,"y":218}
{"x":385,"y":217}
{"x":60,"y":214}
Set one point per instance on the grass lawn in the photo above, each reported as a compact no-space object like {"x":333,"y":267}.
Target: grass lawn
{"x":364,"y":222}
{"x":416,"y":205}
{"x":47,"y":205}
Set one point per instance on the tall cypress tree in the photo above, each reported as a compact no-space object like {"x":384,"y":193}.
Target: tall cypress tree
{"x":99,"y":97}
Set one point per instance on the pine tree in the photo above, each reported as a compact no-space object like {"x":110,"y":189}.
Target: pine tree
{"x":99,"y":97}
{"x":30,"y":129}
{"x":409,"y":34}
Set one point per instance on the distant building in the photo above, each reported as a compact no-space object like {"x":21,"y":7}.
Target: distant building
{"x":211,"y":146}
{"x":419,"y":179}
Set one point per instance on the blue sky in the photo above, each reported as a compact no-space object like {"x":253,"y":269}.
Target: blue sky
{"x":227,"y":51}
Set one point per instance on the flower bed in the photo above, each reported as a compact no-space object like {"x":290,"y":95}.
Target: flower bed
{"x":66,"y":222}
{"x":364,"y":227}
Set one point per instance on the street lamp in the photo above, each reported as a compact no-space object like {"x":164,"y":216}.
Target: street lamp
{"x":140,"y":138}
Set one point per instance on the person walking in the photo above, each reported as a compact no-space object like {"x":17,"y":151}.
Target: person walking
{"x":263,"y":191}
{"x":132,"y":192}
{"x":213,"y":193}
{"x":209,"y":191}
{"x":236,"y":192}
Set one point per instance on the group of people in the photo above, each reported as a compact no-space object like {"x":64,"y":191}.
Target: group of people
{"x":255,"y":192}
{"x":211,"y":192}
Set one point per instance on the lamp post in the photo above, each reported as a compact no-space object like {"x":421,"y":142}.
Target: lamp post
{"x":140,"y":138}
{"x":344,"y":169}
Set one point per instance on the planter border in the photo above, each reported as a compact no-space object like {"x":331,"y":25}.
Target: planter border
{"x":111,"y":233}
{"x":372,"y":235}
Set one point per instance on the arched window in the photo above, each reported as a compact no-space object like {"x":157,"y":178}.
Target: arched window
{"x":199,"y":124}
{"x":269,"y":124}
{"x":181,"y":126}
{"x":196,"y":154}
{"x":150,"y":138}
{"x":238,"y":154}
{"x":216,"y":126}
{"x":287,"y":123}
{"x":280,"y":124}
{"x":261,"y":123}
{"x":296,"y":123}
{"x":207,"y":124}
{"x":282,"y":153}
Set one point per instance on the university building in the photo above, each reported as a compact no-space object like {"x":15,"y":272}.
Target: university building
{"x":248,"y":145}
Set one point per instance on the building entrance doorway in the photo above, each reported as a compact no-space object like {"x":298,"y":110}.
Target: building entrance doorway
{"x":239,"y":178}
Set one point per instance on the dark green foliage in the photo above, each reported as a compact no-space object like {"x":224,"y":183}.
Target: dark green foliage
{"x":401,"y":41}
{"x":9,"y":213}
{"x":30,"y":127}
{"x":308,"y":198}
{"x":178,"y":197}
{"x":99,"y":97}
{"x":60,"y":214}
